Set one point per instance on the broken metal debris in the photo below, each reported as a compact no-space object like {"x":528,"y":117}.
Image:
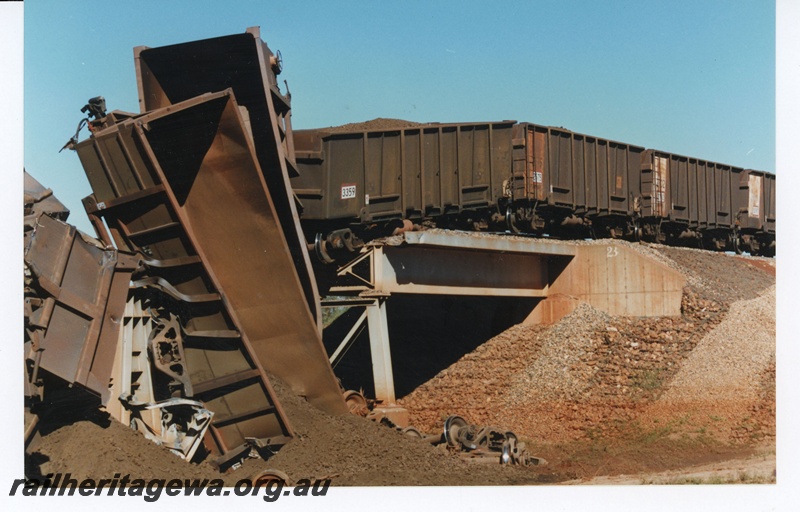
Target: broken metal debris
{"x":39,"y":200}
{"x":75,"y":293}
{"x":486,"y":443}
{"x":75,"y":290}
{"x":476,"y":443}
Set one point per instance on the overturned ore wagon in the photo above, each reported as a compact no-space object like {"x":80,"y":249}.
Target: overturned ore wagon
{"x":74,"y":297}
{"x":525,"y":178}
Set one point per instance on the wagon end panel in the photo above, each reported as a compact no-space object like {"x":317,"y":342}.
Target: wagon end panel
{"x":634,"y":182}
{"x":311,"y":184}
{"x":751,"y":201}
{"x":653,"y":184}
{"x":345,"y":165}
{"x":533,"y":166}
{"x":770,"y":210}
{"x":502,"y":160}
{"x":725,"y":215}
{"x":618,"y":169}
{"x":683,"y":198}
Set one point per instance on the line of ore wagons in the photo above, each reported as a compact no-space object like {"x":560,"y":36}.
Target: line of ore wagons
{"x":529,"y":178}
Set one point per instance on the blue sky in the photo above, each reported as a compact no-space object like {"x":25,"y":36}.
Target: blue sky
{"x":695,"y":78}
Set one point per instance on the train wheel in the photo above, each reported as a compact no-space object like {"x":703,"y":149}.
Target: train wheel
{"x":638,"y":232}
{"x":510,"y":224}
{"x":356,"y":403}
{"x":412,"y":432}
{"x":268,"y":476}
{"x":737,"y":245}
{"x":452,"y":428}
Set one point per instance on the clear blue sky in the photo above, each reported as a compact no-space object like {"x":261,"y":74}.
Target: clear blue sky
{"x":695,"y":78}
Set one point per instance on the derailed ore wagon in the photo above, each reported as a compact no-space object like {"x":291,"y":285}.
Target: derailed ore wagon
{"x":75,"y":292}
{"x":216,"y":351}
{"x":197,"y":185}
{"x":524,"y":178}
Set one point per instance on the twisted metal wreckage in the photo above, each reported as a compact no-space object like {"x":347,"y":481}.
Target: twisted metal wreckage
{"x":210,"y":285}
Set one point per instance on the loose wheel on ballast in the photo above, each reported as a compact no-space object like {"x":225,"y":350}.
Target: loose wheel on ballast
{"x":264,"y":478}
{"x":412,"y":432}
{"x":452,"y":426}
{"x":356,"y":403}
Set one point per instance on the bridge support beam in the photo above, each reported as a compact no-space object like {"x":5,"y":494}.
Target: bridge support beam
{"x":612,"y":276}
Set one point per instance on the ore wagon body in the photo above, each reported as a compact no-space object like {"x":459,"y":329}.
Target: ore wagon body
{"x":527,"y":178}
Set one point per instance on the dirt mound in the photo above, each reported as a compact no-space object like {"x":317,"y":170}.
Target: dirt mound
{"x":561,"y":369}
{"x":349,"y":450}
{"x":727,"y":361}
{"x":380,"y":123}
{"x":88,"y":449}
{"x":361,"y":452}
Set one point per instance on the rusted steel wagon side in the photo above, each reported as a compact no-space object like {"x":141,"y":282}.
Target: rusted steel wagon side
{"x":754,"y":209}
{"x":522,"y":177}
{"x":244,"y":63}
{"x":182,"y":186}
{"x":685,"y":198}
{"x":561,"y":179}
{"x":415,"y":172}
{"x":77,"y":293}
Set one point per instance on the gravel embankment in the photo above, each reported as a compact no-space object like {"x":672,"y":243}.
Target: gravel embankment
{"x":727,"y":362}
